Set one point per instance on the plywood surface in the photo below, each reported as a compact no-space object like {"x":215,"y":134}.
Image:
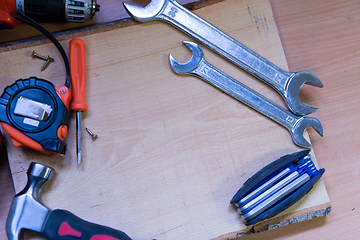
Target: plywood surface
{"x":172,"y":150}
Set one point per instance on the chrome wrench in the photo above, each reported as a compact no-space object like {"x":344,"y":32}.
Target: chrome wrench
{"x":286,"y":83}
{"x":199,"y":67}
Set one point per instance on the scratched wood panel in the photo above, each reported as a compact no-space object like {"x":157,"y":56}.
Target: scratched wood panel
{"x":172,"y":150}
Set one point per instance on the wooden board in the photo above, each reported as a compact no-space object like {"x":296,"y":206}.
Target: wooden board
{"x":172,"y":150}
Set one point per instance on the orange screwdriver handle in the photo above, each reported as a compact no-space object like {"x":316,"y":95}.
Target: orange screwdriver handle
{"x":78,"y":74}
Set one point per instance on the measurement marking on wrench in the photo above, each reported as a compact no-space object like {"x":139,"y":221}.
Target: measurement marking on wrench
{"x":295,"y":124}
{"x":286,"y":83}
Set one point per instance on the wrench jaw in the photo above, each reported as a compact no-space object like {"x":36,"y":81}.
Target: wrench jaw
{"x":147,"y":13}
{"x":187,"y":68}
{"x":292,"y":90}
{"x":297,"y":132}
{"x":309,"y":78}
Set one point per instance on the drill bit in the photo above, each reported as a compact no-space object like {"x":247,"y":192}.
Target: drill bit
{"x":78,"y":136}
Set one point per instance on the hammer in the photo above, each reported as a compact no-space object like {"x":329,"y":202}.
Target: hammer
{"x":28,"y":212}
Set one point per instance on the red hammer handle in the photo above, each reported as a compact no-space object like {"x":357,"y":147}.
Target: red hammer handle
{"x":63,"y":225}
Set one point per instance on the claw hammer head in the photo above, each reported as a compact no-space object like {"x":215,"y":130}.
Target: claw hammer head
{"x":27,"y":210}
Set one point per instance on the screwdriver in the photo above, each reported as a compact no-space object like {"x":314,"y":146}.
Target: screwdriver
{"x":78,"y":85}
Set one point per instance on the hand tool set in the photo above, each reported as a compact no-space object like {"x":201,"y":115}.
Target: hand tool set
{"x":287,"y":84}
{"x":282,"y":183}
{"x":47,"y":10}
{"x":35,"y":114}
{"x":27,"y":212}
{"x":199,"y":67}
{"x":276,"y":187}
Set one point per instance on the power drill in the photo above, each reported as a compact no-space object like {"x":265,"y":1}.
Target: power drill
{"x":78,"y":11}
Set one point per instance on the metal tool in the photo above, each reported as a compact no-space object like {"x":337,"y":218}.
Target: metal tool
{"x":35,"y":55}
{"x":276,"y":187}
{"x":46,"y":64}
{"x":47,"y":59}
{"x":78,"y":86}
{"x":27,"y":212}
{"x":93,"y":136}
{"x":199,"y":67}
{"x":78,"y":11}
{"x":286,"y":83}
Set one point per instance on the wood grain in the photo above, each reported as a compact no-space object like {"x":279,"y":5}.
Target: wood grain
{"x":169,"y":147}
{"x":322,"y":36}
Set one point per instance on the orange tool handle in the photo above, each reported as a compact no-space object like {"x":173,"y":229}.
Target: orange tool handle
{"x":7,"y":19}
{"x":78,"y":74}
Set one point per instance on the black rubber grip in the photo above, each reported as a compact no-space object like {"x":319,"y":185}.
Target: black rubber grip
{"x":62,"y":224}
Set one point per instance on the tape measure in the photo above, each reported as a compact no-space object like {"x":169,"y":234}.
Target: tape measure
{"x":36,"y":114}
{"x":33,"y":111}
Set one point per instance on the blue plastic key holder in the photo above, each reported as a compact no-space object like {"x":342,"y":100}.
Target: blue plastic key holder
{"x":276,"y":187}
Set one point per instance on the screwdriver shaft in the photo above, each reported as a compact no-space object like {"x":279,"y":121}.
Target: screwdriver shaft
{"x":78,"y":136}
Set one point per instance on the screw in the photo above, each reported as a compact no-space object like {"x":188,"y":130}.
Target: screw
{"x":93,"y":136}
{"x":48,"y":61}
{"x":35,"y":55}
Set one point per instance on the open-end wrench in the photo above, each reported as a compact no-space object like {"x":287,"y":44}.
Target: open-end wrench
{"x":286,"y":83}
{"x":199,"y":67}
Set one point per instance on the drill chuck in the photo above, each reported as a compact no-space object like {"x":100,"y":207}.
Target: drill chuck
{"x":80,"y":11}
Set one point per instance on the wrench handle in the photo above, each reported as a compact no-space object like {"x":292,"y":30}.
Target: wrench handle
{"x":63,"y":225}
{"x":245,"y":94}
{"x":226,"y":46}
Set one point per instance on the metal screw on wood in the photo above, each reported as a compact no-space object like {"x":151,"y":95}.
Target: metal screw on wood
{"x":93,"y":136}
{"x":48,"y":59}
{"x":35,"y":55}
